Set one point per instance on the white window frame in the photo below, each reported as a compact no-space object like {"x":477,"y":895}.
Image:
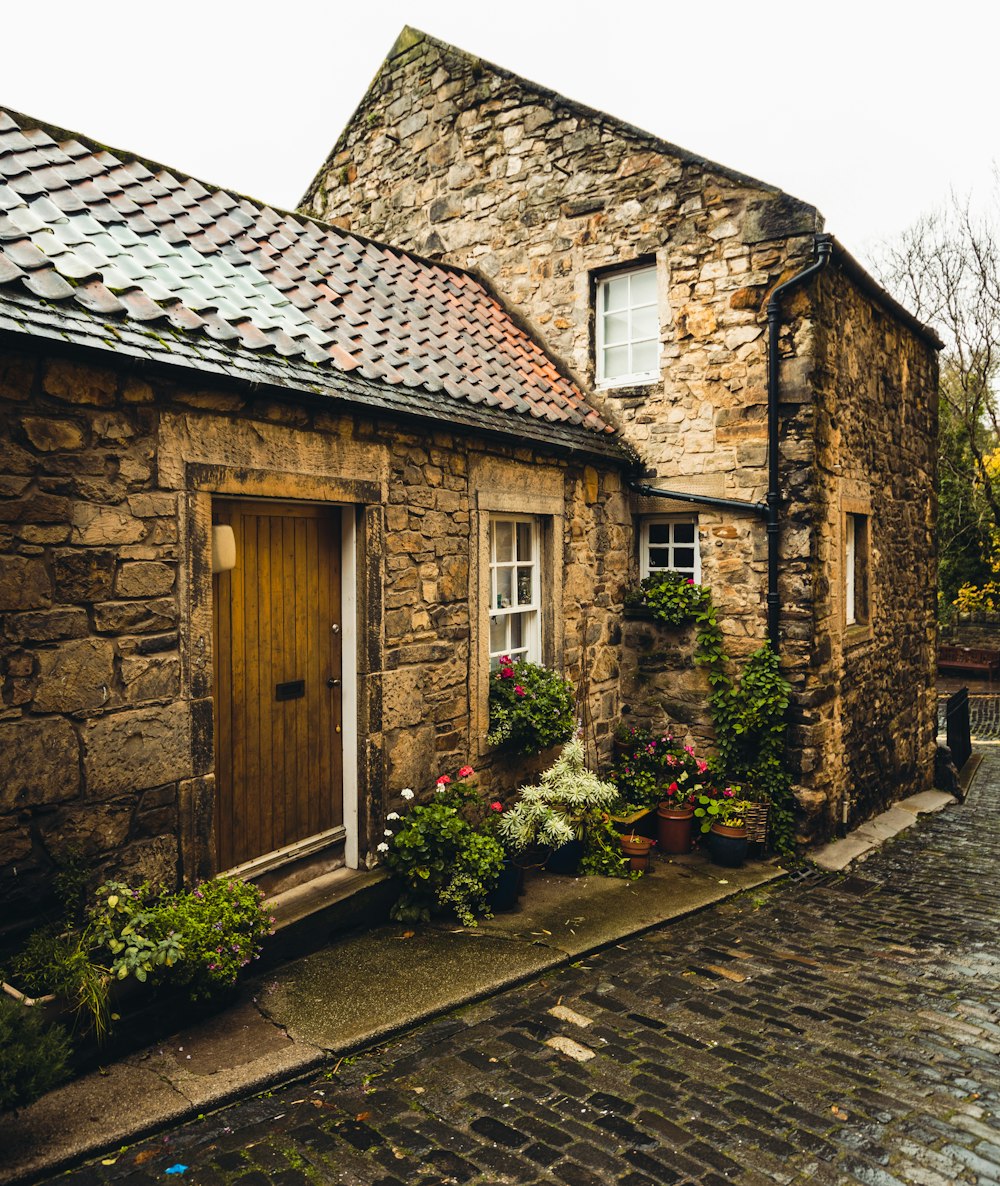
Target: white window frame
{"x":529,"y":612}
{"x":632,"y":377}
{"x":645,"y":569}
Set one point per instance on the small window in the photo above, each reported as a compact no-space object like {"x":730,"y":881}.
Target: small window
{"x":856,"y":612}
{"x":628,"y":328}
{"x":670,"y":545}
{"x":515,"y":596}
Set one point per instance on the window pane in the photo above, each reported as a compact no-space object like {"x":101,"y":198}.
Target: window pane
{"x":659,"y":558}
{"x":504,"y":588}
{"x":684,"y":559}
{"x":645,"y":323}
{"x":615,"y":328}
{"x":616,"y":293}
{"x":616,"y":362}
{"x":516,"y":631}
{"x":503,"y":541}
{"x":525,"y":586}
{"x":645,"y":356}
{"x":659,"y":533}
{"x":684,"y":533}
{"x":498,"y":635}
{"x":643,"y":287}
{"x":524,"y":534}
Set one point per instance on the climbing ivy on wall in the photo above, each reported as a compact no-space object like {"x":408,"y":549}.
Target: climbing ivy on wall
{"x":749,"y":713}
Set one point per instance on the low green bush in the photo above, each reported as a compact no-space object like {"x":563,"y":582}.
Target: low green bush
{"x":34,"y":1057}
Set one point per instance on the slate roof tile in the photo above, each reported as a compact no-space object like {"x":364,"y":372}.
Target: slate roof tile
{"x":242,"y":283}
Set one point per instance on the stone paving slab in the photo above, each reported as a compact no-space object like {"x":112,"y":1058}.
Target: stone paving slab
{"x":839,"y":854}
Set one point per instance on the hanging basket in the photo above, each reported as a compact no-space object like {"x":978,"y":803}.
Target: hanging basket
{"x":757,"y":817}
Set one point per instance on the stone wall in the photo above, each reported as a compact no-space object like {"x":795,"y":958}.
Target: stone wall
{"x":106,"y":482}
{"x":869,"y":715}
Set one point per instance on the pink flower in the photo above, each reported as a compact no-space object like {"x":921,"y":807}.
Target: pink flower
{"x":689,"y":749}
{"x":702,"y":765}
{"x":519,"y":691}
{"x":690,"y":580}
{"x":497,"y":806}
{"x":507,"y":672}
{"x":443,"y":780}
{"x":671,"y":760}
{"x":466,"y":772}
{"x":727,"y":793}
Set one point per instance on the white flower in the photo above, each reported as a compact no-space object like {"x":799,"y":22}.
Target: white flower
{"x":383,"y":847}
{"x":406,"y":793}
{"x":393,"y":815}
{"x":387,"y":832}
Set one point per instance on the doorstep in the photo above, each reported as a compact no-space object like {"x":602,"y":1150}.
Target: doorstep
{"x":872,"y":834}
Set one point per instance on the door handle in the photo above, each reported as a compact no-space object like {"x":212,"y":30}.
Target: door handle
{"x":333,"y":683}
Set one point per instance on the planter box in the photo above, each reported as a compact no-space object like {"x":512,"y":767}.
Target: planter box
{"x":641,"y":822}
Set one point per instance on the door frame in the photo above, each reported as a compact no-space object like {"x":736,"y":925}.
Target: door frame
{"x":349,"y":731}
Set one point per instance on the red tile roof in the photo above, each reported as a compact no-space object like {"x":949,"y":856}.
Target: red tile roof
{"x":85,"y":230}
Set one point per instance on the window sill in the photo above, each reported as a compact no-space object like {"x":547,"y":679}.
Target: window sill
{"x":635,"y":383}
{"x":857,"y":634}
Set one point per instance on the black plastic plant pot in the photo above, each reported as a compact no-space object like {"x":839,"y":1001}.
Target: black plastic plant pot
{"x":505,"y":893}
{"x":566,"y":858}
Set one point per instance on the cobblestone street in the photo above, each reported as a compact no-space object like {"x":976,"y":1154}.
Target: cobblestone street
{"x":832,"y":1029}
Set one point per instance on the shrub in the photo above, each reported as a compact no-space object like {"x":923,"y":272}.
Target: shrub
{"x":659,"y":768}
{"x":567,"y":799}
{"x":531,"y":707}
{"x":34,"y":1055}
{"x":441,"y":858}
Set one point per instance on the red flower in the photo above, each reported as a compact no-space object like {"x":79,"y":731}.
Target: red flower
{"x":519,"y":691}
{"x":498,"y":806}
{"x":466,"y":772}
{"x":506,"y":672}
{"x":443,"y":780}
{"x":673,"y":788}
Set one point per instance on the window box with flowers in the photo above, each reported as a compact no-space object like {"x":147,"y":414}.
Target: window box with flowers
{"x":531,"y":707}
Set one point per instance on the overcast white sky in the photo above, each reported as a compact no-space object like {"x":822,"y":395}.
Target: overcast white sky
{"x":871,"y":111}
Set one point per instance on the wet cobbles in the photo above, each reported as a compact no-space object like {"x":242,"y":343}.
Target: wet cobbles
{"x":827,"y":1030}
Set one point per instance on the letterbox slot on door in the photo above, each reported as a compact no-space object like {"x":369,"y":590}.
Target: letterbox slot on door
{"x":290,"y":691}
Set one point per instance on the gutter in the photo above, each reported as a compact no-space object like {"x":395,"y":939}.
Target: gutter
{"x":824,"y":251}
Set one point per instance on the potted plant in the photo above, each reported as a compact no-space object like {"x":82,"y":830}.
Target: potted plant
{"x":198,"y":939}
{"x":442,"y":859}
{"x":531,"y":707}
{"x":675,"y":820}
{"x":555,"y":813}
{"x":727,"y":830}
{"x":638,"y":850}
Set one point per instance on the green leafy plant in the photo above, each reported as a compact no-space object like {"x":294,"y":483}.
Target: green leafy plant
{"x":442,"y":858}
{"x":60,"y":963}
{"x":531,"y":707}
{"x":720,"y":807}
{"x":602,"y":856}
{"x":750,"y":714}
{"x":657,"y":768}
{"x":35,"y":1056}
{"x":567,"y":800}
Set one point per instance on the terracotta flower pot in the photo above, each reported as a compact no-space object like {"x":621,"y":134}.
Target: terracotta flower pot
{"x":727,"y":845}
{"x":637,"y":849}
{"x":675,"y":825}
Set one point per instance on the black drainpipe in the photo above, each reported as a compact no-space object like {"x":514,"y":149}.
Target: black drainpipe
{"x":770,"y":510}
{"x":824,"y":249}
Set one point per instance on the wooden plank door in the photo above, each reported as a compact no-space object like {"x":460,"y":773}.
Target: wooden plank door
{"x":279,"y":761}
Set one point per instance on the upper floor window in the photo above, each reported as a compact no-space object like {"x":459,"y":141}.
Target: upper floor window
{"x":670,"y":545}
{"x":515,"y":596}
{"x":628,"y":328}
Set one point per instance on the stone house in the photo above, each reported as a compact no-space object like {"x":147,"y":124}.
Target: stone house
{"x":273,"y":493}
{"x":270,"y":496}
{"x":666,"y":285}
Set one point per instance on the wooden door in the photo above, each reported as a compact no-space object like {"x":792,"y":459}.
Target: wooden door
{"x":279,"y":761}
